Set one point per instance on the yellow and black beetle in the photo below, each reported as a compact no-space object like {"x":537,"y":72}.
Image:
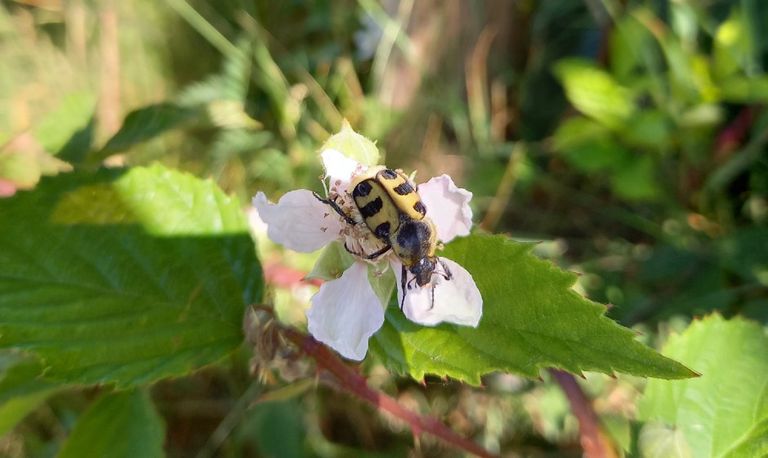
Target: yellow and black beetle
{"x":393,"y":211}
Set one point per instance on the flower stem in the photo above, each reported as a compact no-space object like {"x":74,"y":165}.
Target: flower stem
{"x":353,"y":382}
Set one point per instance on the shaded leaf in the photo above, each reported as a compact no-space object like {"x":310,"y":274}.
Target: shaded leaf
{"x":636,"y":179}
{"x":118,"y":425}
{"x":725,"y":410}
{"x":146,"y":123}
{"x":125,"y":277}
{"x":532,"y":319}
{"x":276,"y":428}
{"x":589,"y":146}
{"x":22,"y":388}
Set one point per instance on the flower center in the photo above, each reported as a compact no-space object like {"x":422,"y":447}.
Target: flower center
{"x":358,"y":238}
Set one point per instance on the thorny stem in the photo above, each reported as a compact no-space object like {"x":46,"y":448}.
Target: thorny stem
{"x":594,"y":441}
{"x":353,"y":382}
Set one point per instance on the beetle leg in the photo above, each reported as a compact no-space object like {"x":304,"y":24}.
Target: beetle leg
{"x":368,"y":256}
{"x":432,"y":304}
{"x":336,"y":208}
{"x":447,"y":272}
{"x":378,"y":253}
{"x":359,"y":255}
{"x":403,"y":273}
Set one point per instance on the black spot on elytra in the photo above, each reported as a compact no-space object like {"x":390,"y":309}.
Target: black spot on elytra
{"x":412,"y":236}
{"x":389,"y":174}
{"x":371,"y":208}
{"x":382,"y":230}
{"x":362,"y":189}
{"x":403,"y":189}
{"x":420,"y":208}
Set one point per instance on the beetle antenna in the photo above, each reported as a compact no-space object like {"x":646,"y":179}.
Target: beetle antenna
{"x":336,"y":208}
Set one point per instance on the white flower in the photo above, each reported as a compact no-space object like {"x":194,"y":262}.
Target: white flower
{"x":346,"y":311}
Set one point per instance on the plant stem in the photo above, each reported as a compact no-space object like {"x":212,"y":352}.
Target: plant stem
{"x":354,"y":383}
{"x":594,"y":441}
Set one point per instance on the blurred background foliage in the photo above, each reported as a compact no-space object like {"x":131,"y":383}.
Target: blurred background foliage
{"x":627,"y":135}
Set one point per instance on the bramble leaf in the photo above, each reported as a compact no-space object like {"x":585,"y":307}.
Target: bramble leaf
{"x":594,"y":92}
{"x":532,"y":319}
{"x":21,"y":388}
{"x":124,"y":277}
{"x":118,"y":425}
{"x":725,"y":411}
{"x":146,"y":123}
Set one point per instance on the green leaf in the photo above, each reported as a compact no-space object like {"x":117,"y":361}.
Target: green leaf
{"x":589,"y":146}
{"x":725,"y":411}
{"x":649,"y":129}
{"x":21,"y":388}
{"x":146,"y":123}
{"x":733,"y":48}
{"x":276,"y":429}
{"x":631,"y":44}
{"x":118,"y":425}
{"x":125,"y":277}
{"x":353,"y":145}
{"x":73,"y":115}
{"x":532,"y":319}
{"x":636,"y":179}
{"x":594,"y":92}
{"x":660,"y":441}
{"x":23,"y":161}
{"x":745,"y":90}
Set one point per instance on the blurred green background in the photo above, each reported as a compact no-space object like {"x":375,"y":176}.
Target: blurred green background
{"x":628,"y":136}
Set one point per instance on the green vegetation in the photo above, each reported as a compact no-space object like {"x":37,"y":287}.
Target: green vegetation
{"x":143,"y":314}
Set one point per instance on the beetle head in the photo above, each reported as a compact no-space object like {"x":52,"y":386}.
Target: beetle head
{"x":423,"y":269}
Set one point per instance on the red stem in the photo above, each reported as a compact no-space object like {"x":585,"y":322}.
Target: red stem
{"x":357,"y":385}
{"x":593,"y":440}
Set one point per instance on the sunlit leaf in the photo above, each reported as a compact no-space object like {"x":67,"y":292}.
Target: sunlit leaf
{"x":733,"y":48}
{"x":117,"y":425}
{"x":745,"y":90}
{"x":660,"y":441}
{"x":594,"y":92}
{"x":353,"y":145}
{"x":23,"y":160}
{"x":532,"y":319}
{"x":725,"y":411}
{"x":124,"y":277}
{"x":72,"y":115}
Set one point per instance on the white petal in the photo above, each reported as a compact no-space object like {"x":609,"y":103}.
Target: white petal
{"x":299,"y":221}
{"x":339,"y":169}
{"x":456,"y":300}
{"x":346,"y":312}
{"x":447,"y":207}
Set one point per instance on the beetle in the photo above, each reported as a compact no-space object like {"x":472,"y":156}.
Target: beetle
{"x":391,"y":208}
